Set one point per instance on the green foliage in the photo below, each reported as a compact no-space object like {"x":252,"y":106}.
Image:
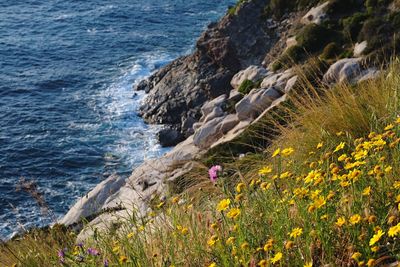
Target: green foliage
{"x":331,"y":51}
{"x":292,"y":55}
{"x":314,"y":37}
{"x":395,"y":20}
{"x":246,"y":86}
{"x":232,"y":9}
{"x":340,"y":7}
{"x":353,"y":24}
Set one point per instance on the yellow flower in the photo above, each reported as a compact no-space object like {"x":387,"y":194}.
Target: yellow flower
{"x":376,"y":237}
{"x":263,"y":263}
{"x":244,"y":246}
{"x":308,"y":264}
{"x":367,"y":191}
{"x":230,"y":240}
{"x":284,"y":175}
{"x":185,"y":231}
{"x":268,"y":246}
{"x":319,"y":202}
{"x":287,"y":151}
{"x":123,"y":259}
{"x":223,"y":204}
{"x":265,"y":170}
{"x":130,"y":235}
{"x":355,"y":219}
{"x":276,"y":152}
{"x":394,"y":231}
{"x":265,"y":186}
{"x":340,"y":221}
{"x":296,"y":232}
{"x":375,"y":248}
{"x":160,"y":204}
{"x":396,"y":185}
{"x":277,"y":257}
{"x":116,"y":249}
{"x":371,"y":262}
{"x":213,"y":239}
{"x":239,"y":197}
{"x":388,"y":169}
{"x":289,"y":245}
{"x":340,"y":147}
{"x":343,"y":157}
{"x":175,"y":200}
{"x":239,"y":187}
{"x":340,"y":133}
{"x":398,"y":198}
{"x":356,"y":256}
{"x":233,"y":213}
{"x":213,"y":264}
{"x":320,"y":145}
{"x":389,"y":127}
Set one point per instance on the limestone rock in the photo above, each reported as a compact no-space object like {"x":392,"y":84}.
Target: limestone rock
{"x":368,"y":74}
{"x":252,"y":73}
{"x":343,"y":70}
{"x":290,"y":84}
{"x":209,"y":106}
{"x":93,"y":201}
{"x":256,"y":102}
{"x":204,"y":135}
{"x":359,"y":48}
{"x":217,"y":112}
{"x":316,"y":14}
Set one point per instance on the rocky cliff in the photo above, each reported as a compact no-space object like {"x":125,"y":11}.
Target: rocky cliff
{"x":243,"y":66}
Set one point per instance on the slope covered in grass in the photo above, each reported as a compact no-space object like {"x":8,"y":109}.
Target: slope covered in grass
{"x":327,"y":191}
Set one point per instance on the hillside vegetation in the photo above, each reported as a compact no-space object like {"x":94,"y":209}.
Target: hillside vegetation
{"x":326,"y":192}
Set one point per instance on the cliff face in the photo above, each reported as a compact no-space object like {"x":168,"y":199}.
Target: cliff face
{"x":177,"y":91}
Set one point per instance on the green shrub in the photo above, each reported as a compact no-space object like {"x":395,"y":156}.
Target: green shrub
{"x":331,"y":50}
{"x":246,"y":86}
{"x":292,"y":55}
{"x":352,"y":25}
{"x":314,"y":37}
{"x":277,"y":8}
{"x":339,"y":7}
{"x":395,"y":20}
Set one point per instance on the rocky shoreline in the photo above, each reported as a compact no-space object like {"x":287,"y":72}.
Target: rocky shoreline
{"x":203,"y":102}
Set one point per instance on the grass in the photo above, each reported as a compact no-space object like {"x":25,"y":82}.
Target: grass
{"x":326,"y":191}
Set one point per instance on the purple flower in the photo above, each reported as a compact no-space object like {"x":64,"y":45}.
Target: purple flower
{"x":213,"y":172}
{"x":93,"y":251}
{"x":105,"y":263}
{"x":80,"y":245}
{"x":61,"y":255}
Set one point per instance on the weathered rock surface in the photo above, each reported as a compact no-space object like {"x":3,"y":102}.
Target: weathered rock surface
{"x":256,"y":102}
{"x":169,"y":137}
{"x":252,"y":73}
{"x":344,"y":70}
{"x":179,"y":89}
{"x":316,"y":14}
{"x":359,"y":48}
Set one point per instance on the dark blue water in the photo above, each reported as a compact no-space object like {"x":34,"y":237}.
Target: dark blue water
{"x":67,"y":110}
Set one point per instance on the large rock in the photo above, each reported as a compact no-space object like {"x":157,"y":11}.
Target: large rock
{"x":225,"y":48}
{"x":209,"y":106}
{"x":252,"y":73}
{"x":343,"y":70}
{"x":256,"y":102}
{"x":211,"y":131}
{"x":316,"y":14}
{"x":217,"y":112}
{"x":359,"y":48}
{"x":93,"y":201}
{"x":169,"y":137}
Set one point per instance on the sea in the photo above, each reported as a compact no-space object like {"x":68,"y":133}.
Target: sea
{"x":68,"y":113}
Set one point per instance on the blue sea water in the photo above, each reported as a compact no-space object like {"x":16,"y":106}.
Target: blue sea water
{"x":67,"y":109}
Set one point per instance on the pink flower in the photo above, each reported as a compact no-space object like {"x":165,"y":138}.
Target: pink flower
{"x":213,"y":172}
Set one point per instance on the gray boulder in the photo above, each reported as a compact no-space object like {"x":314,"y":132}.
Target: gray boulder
{"x":256,"y":102}
{"x":316,"y":14}
{"x":345,"y":69}
{"x":252,"y":73}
